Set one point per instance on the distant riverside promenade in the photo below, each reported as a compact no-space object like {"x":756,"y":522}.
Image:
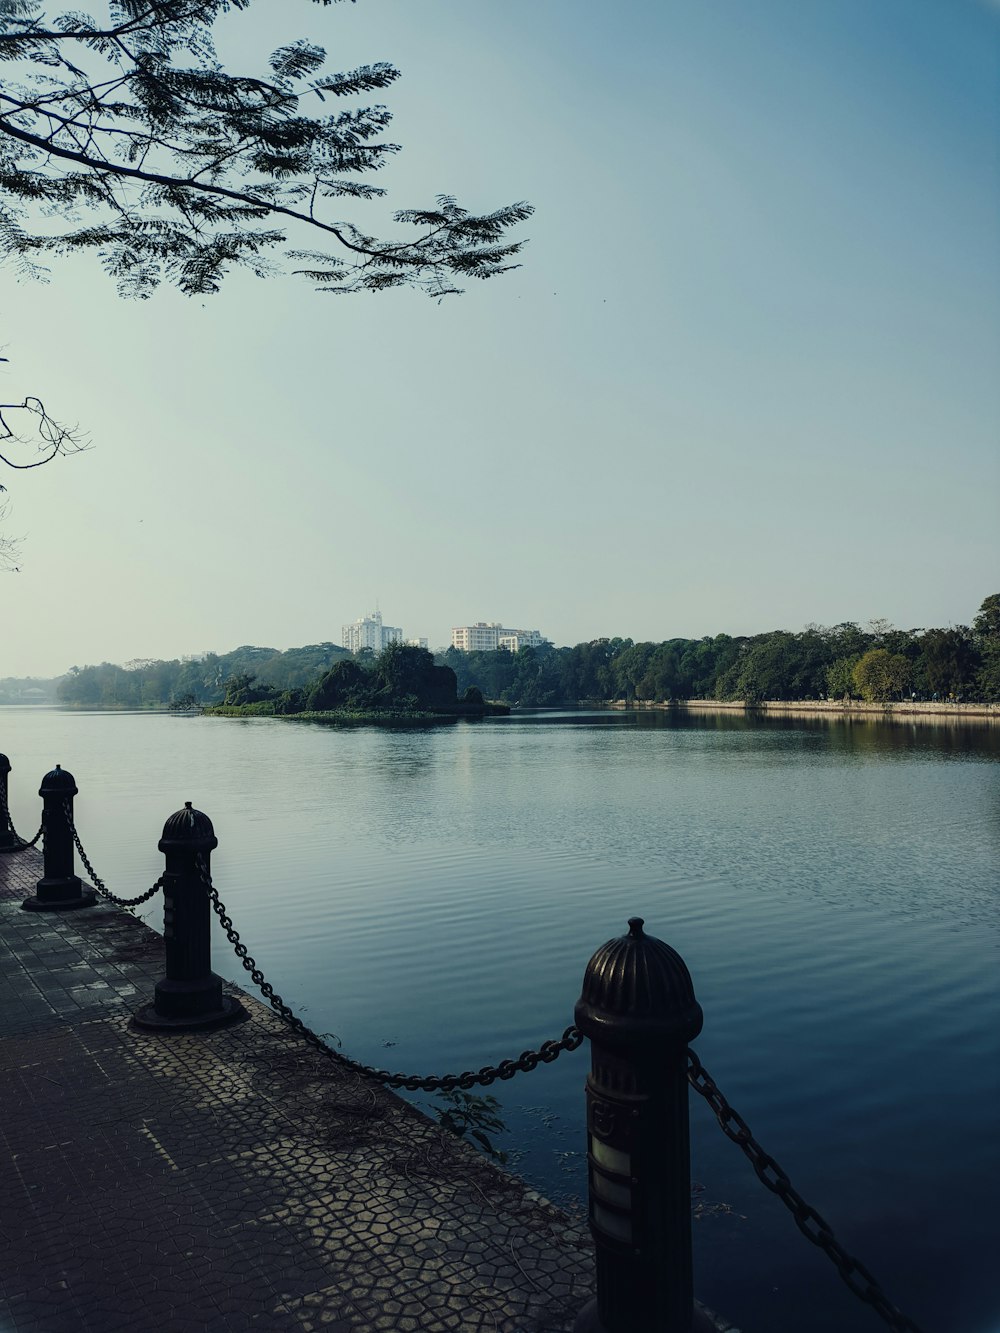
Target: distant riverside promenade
{"x":233,"y":1179}
{"x":834,"y":708}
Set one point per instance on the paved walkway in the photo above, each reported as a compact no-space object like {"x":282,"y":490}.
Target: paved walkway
{"x":233,"y":1179}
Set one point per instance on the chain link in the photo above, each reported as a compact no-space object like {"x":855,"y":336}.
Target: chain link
{"x":814,"y":1227}
{"x":8,"y":825}
{"x":571,"y":1038}
{"x":95,"y":879}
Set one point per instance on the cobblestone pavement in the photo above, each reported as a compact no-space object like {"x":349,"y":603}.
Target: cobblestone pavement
{"x":232,"y":1179}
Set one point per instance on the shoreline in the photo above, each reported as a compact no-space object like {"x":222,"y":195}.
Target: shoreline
{"x":856,"y":709}
{"x":475,"y":712}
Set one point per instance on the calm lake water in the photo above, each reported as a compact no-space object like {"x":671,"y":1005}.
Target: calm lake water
{"x":432,"y":896}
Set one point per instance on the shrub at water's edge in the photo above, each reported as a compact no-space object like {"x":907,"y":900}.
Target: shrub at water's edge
{"x":358,"y":715}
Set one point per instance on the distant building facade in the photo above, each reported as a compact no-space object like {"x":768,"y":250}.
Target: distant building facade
{"x":369,"y":632}
{"x":484,"y":637}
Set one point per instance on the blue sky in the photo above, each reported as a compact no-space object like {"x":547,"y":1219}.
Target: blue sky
{"x":746,"y":378}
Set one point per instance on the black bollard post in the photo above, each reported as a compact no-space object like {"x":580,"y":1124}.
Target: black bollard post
{"x":639,"y":1011}
{"x":8,"y":838}
{"x":190,"y":995}
{"x":59,"y":889}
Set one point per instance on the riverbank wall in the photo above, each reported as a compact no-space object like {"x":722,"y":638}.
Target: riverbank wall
{"x":917,"y":711}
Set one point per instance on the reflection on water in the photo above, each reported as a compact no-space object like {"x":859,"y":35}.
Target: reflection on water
{"x":832,"y":885}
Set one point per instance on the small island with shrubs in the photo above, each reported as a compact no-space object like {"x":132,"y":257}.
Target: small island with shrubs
{"x":402,"y":683}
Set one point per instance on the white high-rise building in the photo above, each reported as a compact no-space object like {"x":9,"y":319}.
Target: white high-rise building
{"x":369,"y":632}
{"x":484,"y":637}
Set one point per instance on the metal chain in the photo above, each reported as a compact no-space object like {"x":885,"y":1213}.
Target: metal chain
{"x":95,"y":879}
{"x":814,"y":1227}
{"x":8,"y":824}
{"x":506,"y":1069}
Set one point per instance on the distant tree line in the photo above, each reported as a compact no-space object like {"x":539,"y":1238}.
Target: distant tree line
{"x":878,"y":663}
{"x":197,"y":681}
{"x":27,"y":690}
{"x":317,"y":678}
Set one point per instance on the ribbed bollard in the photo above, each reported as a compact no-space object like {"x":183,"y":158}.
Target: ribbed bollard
{"x":639,"y":1011}
{"x":59,"y":889}
{"x":8,"y":839}
{"x":190,"y":995}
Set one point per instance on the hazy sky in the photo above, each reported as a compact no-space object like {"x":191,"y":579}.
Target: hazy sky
{"x":747,"y":377}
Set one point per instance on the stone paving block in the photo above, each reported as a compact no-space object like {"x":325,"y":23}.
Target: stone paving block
{"x":194,"y":1136}
{"x":235,"y":1179}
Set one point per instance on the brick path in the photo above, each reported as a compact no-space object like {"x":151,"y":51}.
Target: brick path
{"x":208,"y":1182}
{"x":233,"y":1179}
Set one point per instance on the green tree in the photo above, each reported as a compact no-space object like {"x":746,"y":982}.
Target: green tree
{"x":846,"y":640}
{"x":198,"y":679}
{"x":766,"y":667}
{"x":987,"y":619}
{"x":81,"y":686}
{"x":629,"y":667}
{"x":459,"y":663}
{"x":244,"y":688}
{"x":298,"y":667}
{"x":948,"y":661}
{"x":496,"y":673}
{"x":880,"y":675}
{"x":524,"y":688}
{"x":594,"y":662}
{"x":810,"y":661}
{"x":345,"y":685}
{"x":663,"y":676}
{"x":840,"y":677}
{"x":986,"y":628}
{"x":406,"y":676}
{"x":704,"y":662}
{"x":883,"y":634}
{"x":171,"y":168}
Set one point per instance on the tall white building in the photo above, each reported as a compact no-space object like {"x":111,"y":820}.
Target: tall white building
{"x":484,"y":637}
{"x":369,"y":632}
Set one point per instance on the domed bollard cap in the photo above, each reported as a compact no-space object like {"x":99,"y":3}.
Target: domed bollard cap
{"x":188,"y":830}
{"x":60,"y":888}
{"x":637,"y":990}
{"x":189,"y":997}
{"x":60,"y":781}
{"x":4,"y":764}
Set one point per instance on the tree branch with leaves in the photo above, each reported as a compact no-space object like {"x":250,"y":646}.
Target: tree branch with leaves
{"x":132,"y":137}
